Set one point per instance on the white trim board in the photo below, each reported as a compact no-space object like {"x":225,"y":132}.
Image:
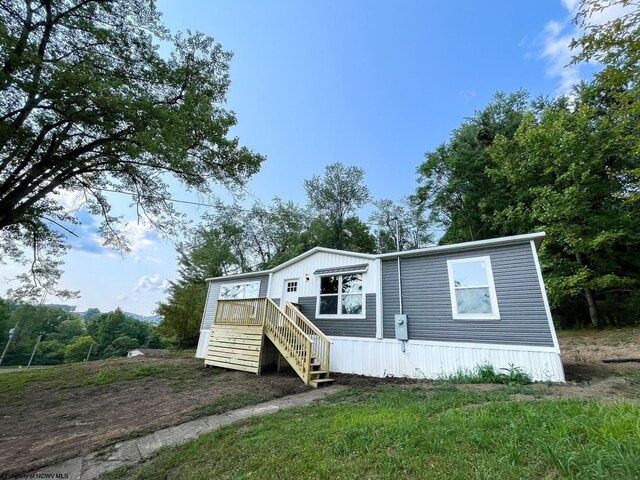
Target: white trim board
{"x":493,"y":297}
{"x":545,"y":300}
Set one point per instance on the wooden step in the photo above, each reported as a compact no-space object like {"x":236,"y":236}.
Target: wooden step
{"x":321,"y":382}
{"x":318,"y":372}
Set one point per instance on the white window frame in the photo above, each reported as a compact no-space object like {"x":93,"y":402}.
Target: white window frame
{"x":339,"y":294}
{"x":256,"y":282}
{"x":495,"y":313}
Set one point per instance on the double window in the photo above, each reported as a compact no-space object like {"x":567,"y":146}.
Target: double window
{"x":341,"y":295}
{"x":473,"y":292}
{"x":230,"y":291}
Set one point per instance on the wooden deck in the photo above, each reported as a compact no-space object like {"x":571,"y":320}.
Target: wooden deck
{"x":238,"y":335}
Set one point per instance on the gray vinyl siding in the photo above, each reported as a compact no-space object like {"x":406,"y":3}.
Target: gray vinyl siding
{"x":214,"y":293}
{"x":343,"y":327}
{"x":427,"y":300}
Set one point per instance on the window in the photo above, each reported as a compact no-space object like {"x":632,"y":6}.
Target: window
{"x":341,"y":295}
{"x":230,"y":291}
{"x":292,"y":286}
{"x":473,"y":293}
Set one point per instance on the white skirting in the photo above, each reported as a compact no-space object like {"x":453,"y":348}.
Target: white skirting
{"x":433,"y":360}
{"x":203,"y":342}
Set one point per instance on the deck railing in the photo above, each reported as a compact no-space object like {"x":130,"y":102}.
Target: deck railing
{"x":245,"y":311}
{"x":321,"y":345}
{"x":286,"y":334}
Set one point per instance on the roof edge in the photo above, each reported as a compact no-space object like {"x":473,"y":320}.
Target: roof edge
{"x":369,"y":256}
{"x":240,"y":275}
{"x":537,"y":237}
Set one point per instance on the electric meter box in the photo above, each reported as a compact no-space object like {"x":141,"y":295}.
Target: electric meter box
{"x":402,"y":327}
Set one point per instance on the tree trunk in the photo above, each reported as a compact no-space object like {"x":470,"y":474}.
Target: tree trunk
{"x":588,"y":293}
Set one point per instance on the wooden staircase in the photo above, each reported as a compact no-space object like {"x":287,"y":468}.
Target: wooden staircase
{"x":239,"y":330}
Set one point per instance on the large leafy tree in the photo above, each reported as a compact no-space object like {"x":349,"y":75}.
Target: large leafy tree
{"x":452,"y":181}
{"x":570,"y":177}
{"x":334,"y":198}
{"x":404,"y":225}
{"x":88,"y":105}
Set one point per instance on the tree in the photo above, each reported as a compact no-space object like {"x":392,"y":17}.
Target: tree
{"x":404,"y":225}
{"x":182,"y":314}
{"x":78,"y":350}
{"x":570,"y":175}
{"x":115,"y":325}
{"x":120,"y":347}
{"x":453,"y":183}
{"x":87,"y":106}
{"x":335,"y":197}
{"x":30,"y":322}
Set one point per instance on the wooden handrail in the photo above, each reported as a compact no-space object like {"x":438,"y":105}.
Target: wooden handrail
{"x":242,"y":311}
{"x":321,"y":343}
{"x":294,"y":344}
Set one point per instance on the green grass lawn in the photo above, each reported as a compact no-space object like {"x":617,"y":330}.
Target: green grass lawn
{"x":396,"y":432}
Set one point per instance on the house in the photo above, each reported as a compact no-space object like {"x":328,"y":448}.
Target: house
{"x":423,"y":313}
{"x":149,"y":352}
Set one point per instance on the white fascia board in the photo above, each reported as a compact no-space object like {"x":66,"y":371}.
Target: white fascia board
{"x":308,"y":253}
{"x":545,"y":299}
{"x":238,"y":276}
{"x":535,"y":237}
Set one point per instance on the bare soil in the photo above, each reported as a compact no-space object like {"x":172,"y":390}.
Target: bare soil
{"x":43,"y":423}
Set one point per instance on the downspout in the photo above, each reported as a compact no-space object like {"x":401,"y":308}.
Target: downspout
{"x":404,"y":342}
{"x":400,"y":284}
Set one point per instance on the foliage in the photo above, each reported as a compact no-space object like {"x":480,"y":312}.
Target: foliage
{"x":403,"y":224}
{"x":120,"y":347}
{"x":78,"y":350}
{"x":117,"y":325}
{"x":452,"y":181}
{"x":415,"y":433}
{"x":570,"y":175}
{"x":487,"y":374}
{"x":54,"y":324}
{"x":88,"y":106}
{"x":334,"y":198}
{"x":182,"y":314}
{"x":65,"y":336}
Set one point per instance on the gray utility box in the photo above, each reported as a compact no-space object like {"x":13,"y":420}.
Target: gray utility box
{"x":402,"y":327}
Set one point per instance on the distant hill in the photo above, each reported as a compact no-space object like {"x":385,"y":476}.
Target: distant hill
{"x":145,"y":318}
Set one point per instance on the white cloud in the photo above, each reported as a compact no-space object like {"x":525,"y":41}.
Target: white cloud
{"x":556,"y":38}
{"x":570,"y":5}
{"x":140,"y":236}
{"x":69,"y":200}
{"x":154,"y":282}
{"x":123,"y":297}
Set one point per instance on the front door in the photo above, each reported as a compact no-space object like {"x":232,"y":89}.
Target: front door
{"x":289,"y":291}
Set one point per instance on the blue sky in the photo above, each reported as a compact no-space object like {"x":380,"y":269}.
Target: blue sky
{"x":369,"y":83}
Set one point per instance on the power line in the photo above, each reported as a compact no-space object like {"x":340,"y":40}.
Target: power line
{"x":234,"y":207}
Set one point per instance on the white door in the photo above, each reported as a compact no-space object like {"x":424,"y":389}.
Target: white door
{"x":290,"y":291}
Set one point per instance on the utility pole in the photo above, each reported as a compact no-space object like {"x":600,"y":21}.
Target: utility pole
{"x":90,"y":347}
{"x":397,"y":233}
{"x":6,"y":347}
{"x":34,"y":351}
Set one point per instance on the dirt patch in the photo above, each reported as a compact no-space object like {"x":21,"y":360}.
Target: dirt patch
{"x":42,"y":425}
{"x":588,"y":346}
{"x":364,"y":382}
